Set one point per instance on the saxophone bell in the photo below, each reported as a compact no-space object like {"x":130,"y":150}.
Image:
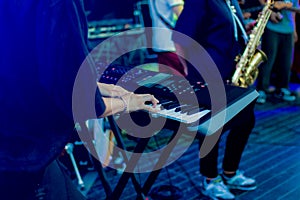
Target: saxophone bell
{"x":250,"y":74}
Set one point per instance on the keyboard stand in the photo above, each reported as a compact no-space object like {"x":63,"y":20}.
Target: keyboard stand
{"x":111,"y":194}
{"x":142,"y":191}
{"x":131,"y":164}
{"x":161,"y":162}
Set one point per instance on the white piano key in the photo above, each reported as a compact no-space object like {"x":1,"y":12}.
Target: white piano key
{"x":179,"y":116}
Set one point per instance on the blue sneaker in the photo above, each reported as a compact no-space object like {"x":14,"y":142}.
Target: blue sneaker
{"x":262,"y":98}
{"x":285,"y":95}
{"x":240,"y":182}
{"x":216,"y":189}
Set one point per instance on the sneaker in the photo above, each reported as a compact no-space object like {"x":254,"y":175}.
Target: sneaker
{"x":240,"y":182}
{"x":216,"y":189}
{"x":285,"y":95}
{"x":262,"y":97}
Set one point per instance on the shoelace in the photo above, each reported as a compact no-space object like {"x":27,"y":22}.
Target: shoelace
{"x":219,"y":184}
{"x":239,"y":177}
{"x":221,"y":187}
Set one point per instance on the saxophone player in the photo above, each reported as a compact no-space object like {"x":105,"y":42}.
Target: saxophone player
{"x":218,"y":27}
{"x":278,"y":44}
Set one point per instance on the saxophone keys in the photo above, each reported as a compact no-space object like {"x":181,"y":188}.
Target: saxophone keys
{"x":233,"y":9}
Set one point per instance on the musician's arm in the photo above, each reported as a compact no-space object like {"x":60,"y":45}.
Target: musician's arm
{"x":295,"y":28}
{"x":110,"y":90}
{"x":275,"y":15}
{"x":295,"y":24}
{"x":262,"y":2}
{"x":128,"y":103}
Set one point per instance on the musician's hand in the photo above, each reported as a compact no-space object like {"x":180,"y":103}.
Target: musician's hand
{"x":136,"y":102}
{"x":249,"y":26}
{"x":295,"y":36}
{"x":241,"y":2}
{"x":246,"y":15}
{"x":111,"y":90}
{"x":280,"y":5}
{"x":276,"y":17}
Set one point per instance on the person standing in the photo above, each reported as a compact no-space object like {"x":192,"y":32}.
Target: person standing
{"x":278,"y":44}
{"x":217,"y":26}
{"x":164,"y":14}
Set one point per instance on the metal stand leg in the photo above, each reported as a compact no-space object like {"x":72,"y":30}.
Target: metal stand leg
{"x":69,"y":148}
{"x":87,"y":137}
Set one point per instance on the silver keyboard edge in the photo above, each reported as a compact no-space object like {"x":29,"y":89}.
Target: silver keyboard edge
{"x":229,"y":113}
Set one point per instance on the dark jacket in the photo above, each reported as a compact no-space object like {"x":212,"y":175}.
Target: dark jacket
{"x":209,"y":22}
{"x":43,"y":43}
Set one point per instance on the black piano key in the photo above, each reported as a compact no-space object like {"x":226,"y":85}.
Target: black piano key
{"x":179,"y":108}
{"x":196,"y":110}
{"x":188,"y":108}
{"x":170,"y":106}
{"x":165,"y":102}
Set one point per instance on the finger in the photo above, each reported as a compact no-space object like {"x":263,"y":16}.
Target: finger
{"x":149,"y":97}
{"x":150,"y":108}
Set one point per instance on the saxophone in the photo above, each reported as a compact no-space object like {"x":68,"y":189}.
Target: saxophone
{"x":247,"y":66}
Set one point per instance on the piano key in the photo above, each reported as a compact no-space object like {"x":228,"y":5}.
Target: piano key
{"x":165,"y":102}
{"x":179,"y":108}
{"x":196,"y":110}
{"x":178,"y":116}
{"x":188,"y":108}
{"x":170,"y":106}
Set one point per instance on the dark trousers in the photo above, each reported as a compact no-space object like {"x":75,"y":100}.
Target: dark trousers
{"x":279,"y":49}
{"x":51,"y":184}
{"x":239,"y":128}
